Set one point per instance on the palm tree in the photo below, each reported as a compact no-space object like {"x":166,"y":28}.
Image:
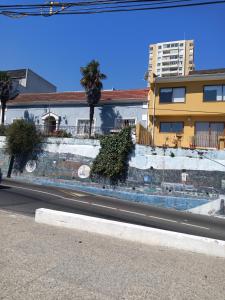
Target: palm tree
{"x":5,"y":91}
{"x":91,"y":82}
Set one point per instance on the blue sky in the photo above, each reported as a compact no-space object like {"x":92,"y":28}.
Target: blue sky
{"x":56,"y":47}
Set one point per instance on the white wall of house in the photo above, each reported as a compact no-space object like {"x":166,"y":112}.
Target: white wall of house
{"x":105,"y":115}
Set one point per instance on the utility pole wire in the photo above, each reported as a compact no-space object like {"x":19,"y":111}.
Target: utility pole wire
{"x":100,"y":6}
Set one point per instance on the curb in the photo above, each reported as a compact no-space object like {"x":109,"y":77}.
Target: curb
{"x":131,"y":232}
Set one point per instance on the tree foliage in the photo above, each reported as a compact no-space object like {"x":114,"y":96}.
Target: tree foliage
{"x":5,"y":91}
{"x":112,"y":161}
{"x":92,"y":83}
{"x":22,"y":137}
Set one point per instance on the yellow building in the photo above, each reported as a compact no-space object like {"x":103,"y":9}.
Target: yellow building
{"x":188,"y":111}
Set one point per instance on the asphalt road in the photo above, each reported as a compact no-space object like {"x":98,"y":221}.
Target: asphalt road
{"x":26,"y":198}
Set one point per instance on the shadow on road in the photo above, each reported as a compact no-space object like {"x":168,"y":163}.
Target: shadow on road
{"x":4,"y":187}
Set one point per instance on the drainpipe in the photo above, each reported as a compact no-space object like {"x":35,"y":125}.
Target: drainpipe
{"x":153,"y":113}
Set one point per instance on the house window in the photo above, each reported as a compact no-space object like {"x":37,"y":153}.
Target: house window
{"x":173,"y":127}
{"x":16,"y":119}
{"x":83,"y":126}
{"x":120,"y":123}
{"x":172,"y":95}
{"x":214,"y":93}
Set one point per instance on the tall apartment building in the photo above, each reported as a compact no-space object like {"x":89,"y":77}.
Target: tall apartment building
{"x":174,"y":58}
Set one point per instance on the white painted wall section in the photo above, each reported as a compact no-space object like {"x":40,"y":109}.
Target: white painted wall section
{"x":130,"y":232}
{"x":142,"y":157}
{"x":209,"y":208}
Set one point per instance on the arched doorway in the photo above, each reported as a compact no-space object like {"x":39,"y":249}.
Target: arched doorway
{"x":50,"y":124}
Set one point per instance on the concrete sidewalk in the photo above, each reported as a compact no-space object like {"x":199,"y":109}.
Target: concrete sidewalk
{"x":43,"y":262}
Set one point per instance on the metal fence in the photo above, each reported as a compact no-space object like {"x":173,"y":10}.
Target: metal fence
{"x":76,"y":131}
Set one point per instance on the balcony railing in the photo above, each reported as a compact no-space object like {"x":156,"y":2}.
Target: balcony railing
{"x":206,"y":140}
{"x":182,"y":141}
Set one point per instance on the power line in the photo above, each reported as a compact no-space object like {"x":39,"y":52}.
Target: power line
{"x":98,"y":6}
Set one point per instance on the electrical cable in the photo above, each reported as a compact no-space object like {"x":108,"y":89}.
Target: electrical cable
{"x":101,"y":6}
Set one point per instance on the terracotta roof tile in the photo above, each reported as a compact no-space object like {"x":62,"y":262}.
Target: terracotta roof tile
{"x":79,"y":97}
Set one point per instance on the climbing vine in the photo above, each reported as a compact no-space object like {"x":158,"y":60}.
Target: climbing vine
{"x":112,"y":161}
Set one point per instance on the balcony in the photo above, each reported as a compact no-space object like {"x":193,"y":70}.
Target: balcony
{"x":206,"y":140}
{"x":197,"y":141}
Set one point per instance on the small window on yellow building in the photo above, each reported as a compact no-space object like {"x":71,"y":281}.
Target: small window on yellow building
{"x":214,"y":93}
{"x":173,"y":127}
{"x":170,"y":95}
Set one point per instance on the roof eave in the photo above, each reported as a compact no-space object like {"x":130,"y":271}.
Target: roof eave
{"x":189,"y":78}
{"x":72,"y":102}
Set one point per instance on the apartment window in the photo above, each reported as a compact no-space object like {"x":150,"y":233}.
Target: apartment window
{"x":181,"y":44}
{"x":158,"y":64}
{"x":172,"y":95}
{"x":173,"y":56}
{"x":159,"y":47}
{"x":173,"y":127}
{"x":214,"y":93}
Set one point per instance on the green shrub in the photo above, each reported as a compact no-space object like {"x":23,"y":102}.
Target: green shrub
{"x":23,"y":142}
{"x":172,"y":154}
{"x":22,"y":137}
{"x":112,"y":161}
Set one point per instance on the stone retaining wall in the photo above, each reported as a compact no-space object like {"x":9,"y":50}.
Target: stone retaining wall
{"x":62,"y":158}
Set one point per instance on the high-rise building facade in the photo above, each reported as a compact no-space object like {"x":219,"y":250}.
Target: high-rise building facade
{"x":174,"y":58}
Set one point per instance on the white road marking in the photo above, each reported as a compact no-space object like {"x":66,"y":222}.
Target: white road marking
{"x":95,"y":204}
{"x":73,"y":194}
{"x":132,"y":212}
{"x":202,"y":227}
{"x":46,"y":193}
{"x":100,"y":205}
{"x":164,"y":219}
